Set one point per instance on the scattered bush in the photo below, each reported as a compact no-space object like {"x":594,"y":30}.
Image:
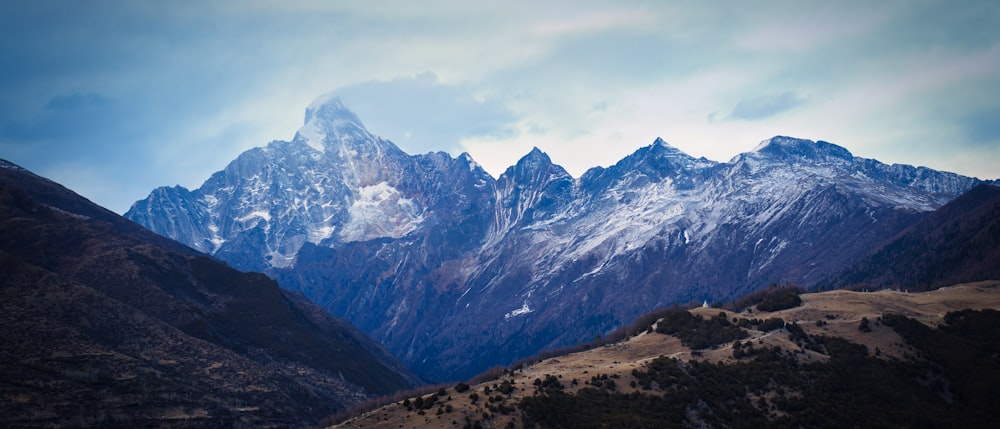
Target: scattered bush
{"x":698,"y":333}
{"x":780,"y":298}
{"x":864,"y":326}
{"x":850,"y":389}
{"x":773,"y":298}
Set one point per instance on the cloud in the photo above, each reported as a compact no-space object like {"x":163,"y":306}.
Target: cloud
{"x":162,"y":93}
{"x":764,"y":106}
{"x":421,"y":114}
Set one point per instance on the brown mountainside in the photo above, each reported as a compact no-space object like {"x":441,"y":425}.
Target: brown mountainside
{"x":837,"y":359}
{"x":106,"y":324}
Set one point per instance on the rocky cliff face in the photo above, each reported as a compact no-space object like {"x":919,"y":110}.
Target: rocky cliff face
{"x":333,"y":183}
{"x":455,"y":271}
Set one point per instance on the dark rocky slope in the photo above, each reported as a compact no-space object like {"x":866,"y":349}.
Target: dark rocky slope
{"x":106,"y":324}
{"x":960,"y":242}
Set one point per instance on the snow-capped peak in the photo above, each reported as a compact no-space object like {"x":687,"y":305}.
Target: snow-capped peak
{"x":659,"y":156}
{"x":783,"y":147}
{"x":534,"y":166}
{"x":328,"y":121}
{"x":536,"y":154}
{"x":777,"y":141}
{"x":329,"y":107}
{"x":473,"y":165}
{"x":661,"y":148}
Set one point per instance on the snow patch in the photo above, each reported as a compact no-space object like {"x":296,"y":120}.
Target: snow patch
{"x":211,"y":201}
{"x":10,"y":165}
{"x":518,"y":312}
{"x":312,"y":135}
{"x":381,"y":211}
{"x":263,"y":214}
{"x":473,"y":165}
{"x":321,"y":233}
{"x":278,"y":260}
{"x":70,"y":214}
{"x":215,"y":239}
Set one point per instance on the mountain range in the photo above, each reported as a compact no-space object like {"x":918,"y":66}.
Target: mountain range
{"x":105,"y":324}
{"x":455,"y":271}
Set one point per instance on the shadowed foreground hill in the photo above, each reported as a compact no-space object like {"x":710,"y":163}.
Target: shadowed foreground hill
{"x":106,"y":324}
{"x":960,"y":242}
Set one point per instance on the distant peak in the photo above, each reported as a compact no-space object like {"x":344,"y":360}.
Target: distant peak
{"x":330,"y":107}
{"x":534,"y":163}
{"x":777,"y":141}
{"x":328,"y":121}
{"x":534,"y":158}
{"x":783,"y":146}
{"x":660,"y":145}
{"x":473,"y":165}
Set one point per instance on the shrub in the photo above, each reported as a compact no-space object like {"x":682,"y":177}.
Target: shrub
{"x":780,"y":298}
{"x":864,"y":326}
{"x":698,"y":333}
{"x":776,"y":296}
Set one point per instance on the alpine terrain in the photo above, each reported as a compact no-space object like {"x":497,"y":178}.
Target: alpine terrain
{"x":455,"y":271}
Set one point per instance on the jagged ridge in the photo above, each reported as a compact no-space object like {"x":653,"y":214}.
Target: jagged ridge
{"x":455,"y":271}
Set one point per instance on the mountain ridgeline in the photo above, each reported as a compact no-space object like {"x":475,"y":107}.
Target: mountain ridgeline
{"x":106,"y":324}
{"x":960,"y":242}
{"x":455,"y":271}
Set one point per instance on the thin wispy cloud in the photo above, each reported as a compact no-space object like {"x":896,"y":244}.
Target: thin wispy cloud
{"x":764,"y":106}
{"x":421,"y":114}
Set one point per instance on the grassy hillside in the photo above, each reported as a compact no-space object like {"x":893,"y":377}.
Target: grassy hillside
{"x":837,"y":359}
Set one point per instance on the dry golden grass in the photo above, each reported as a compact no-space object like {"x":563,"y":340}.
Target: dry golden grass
{"x":840,"y":312}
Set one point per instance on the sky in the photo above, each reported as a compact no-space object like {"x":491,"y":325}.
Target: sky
{"x":115,"y":98}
